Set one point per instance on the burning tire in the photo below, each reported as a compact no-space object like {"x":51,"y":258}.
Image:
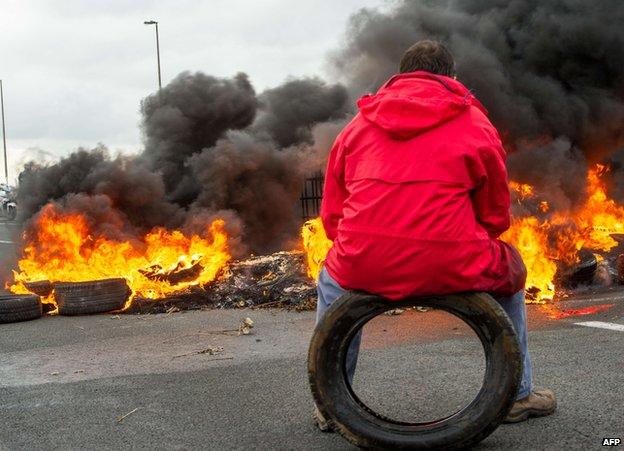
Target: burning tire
{"x":365,"y":428}
{"x":581,"y":272}
{"x":41,"y":288}
{"x":80,"y":298}
{"x":19,"y":307}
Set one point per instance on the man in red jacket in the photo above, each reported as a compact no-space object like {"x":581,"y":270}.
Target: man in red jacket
{"x":416,"y":196}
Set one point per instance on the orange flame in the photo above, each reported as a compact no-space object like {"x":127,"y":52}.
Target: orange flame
{"x":555,"y":313}
{"x":528,"y":236}
{"x":541,"y":242}
{"x":559,"y":237}
{"x":524,"y":190}
{"x":316,"y":245}
{"x":63,"y":249}
{"x":600,"y":215}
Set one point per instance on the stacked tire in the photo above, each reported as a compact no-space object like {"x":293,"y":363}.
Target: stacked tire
{"x":19,"y":307}
{"x":72,"y":298}
{"x":81,"y":298}
{"x":41,"y":288}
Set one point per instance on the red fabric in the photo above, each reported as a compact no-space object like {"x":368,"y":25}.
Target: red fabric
{"x":416,"y":195}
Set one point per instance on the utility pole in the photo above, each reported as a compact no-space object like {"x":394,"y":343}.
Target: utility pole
{"x":153,"y":22}
{"x":6,"y":165}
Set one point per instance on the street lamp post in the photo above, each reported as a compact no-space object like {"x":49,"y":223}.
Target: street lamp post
{"x":6,"y":165}
{"x":153,"y":22}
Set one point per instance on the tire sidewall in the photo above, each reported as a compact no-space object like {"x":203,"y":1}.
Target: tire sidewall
{"x":19,"y":307}
{"x":337,"y":401}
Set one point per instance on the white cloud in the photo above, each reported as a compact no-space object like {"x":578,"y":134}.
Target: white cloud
{"x":74,"y":71}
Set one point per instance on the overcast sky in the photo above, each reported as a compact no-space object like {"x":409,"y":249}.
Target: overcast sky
{"x":74,"y":71}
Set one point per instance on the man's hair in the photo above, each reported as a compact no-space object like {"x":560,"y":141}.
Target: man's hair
{"x":430,"y":56}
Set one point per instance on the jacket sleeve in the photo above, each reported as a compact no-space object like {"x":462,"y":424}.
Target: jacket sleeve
{"x":334,"y":191}
{"x":491,"y":200}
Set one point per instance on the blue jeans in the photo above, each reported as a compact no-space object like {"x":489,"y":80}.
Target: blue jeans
{"x":329,"y":290}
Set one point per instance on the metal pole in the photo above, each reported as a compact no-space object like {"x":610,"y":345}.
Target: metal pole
{"x":6,"y":165}
{"x":158,"y":57}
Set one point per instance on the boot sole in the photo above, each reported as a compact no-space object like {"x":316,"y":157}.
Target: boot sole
{"x":530,"y":413}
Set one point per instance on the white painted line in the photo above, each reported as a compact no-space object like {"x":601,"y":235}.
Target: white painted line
{"x":601,"y":325}
{"x":6,"y":242}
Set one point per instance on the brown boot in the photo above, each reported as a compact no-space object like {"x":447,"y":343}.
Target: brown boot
{"x":321,"y":422}
{"x":539,"y":403}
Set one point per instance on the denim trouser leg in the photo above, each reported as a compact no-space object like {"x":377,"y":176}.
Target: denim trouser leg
{"x":329,"y":290}
{"x":516,"y":311}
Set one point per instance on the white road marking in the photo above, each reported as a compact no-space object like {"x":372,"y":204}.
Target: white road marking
{"x":601,"y":325}
{"x":6,"y":242}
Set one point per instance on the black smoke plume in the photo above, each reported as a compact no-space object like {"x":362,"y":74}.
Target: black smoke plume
{"x":188,"y":115}
{"x":290,"y":109}
{"x":134,"y":190}
{"x":549,"y":72}
{"x":259,"y":182}
{"x":196,"y":166}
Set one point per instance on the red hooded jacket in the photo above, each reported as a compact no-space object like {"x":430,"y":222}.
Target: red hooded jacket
{"x":416,"y":195}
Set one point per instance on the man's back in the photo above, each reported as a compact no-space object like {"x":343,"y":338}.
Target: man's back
{"x":416,"y":194}
{"x":415,"y":199}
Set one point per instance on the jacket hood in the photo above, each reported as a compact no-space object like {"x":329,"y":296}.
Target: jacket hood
{"x":412,"y":103}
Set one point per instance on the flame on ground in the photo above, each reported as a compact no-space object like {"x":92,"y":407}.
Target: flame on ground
{"x":162,"y":262}
{"x":542,"y":239}
{"x":554,"y":313}
{"x":316,"y":245}
{"x":559,"y":236}
{"x":526,"y":235}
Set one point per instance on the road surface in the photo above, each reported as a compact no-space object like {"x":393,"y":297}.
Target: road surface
{"x":66,"y":381}
{"x":150,"y":382}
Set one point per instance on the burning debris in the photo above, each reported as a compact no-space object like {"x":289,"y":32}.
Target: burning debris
{"x":222,"y":167}
{"x":277,"y":280}
{"x":184,"y":270}
{"x":561,"y":249}
{"x":205,"y":158}
{"x":64,"y":248}
{"x":558,"y":247}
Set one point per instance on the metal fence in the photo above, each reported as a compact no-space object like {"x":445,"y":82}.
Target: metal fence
{"x":311,"y":196}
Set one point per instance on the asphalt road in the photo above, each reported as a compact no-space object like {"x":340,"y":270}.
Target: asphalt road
{"x":67,"y":382}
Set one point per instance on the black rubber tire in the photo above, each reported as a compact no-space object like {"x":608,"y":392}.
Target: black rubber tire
{"x":579,"y":273}
{"x":41,"y":288}
{"x":81,"y":298}
{"x":19,"y":307}
{"x":365,"y":428}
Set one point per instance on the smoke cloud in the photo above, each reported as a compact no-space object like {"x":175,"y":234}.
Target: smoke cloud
{"x":551,"y":74}
{"x":204,"y":158}
{"x":290,"y":109}
{"x":188,"y":115}
{"x":260,"y":183}
{"x":134,"y":190}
